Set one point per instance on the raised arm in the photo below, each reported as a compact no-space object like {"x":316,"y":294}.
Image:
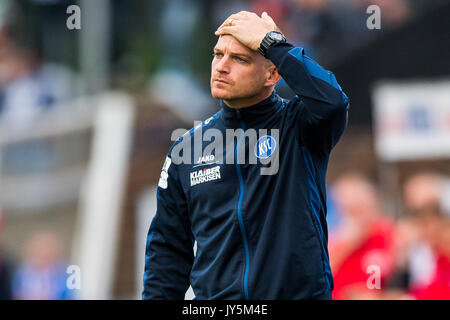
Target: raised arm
{"x":320,"y":108}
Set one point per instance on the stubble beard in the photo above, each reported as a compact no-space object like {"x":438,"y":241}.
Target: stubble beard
{"x":232,"y":98}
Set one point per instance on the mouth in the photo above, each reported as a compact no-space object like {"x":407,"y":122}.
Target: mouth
{"x":221,"y":81}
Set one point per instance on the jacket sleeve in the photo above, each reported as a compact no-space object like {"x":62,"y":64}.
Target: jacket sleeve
{"x":320,"y":107}
{"x":169,"y":250}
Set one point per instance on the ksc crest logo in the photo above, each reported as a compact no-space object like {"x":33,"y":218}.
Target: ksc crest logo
{"x":265,"y":147}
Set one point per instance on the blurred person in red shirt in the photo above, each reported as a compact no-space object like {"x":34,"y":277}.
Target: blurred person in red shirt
{"x":362,"y":249}
{"x":439,"y":286}
{"x":405,"y":239}
{"x":430,"y":255}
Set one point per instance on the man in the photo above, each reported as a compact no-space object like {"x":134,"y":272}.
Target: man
{"x":259,"y":236}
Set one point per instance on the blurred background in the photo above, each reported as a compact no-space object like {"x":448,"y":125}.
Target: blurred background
{"x":87,"y":114}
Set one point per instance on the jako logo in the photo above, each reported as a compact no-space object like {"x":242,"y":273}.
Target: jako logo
{"x":265,"y":147}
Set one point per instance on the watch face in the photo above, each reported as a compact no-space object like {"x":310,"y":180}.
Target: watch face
{"x":276,"y":36}
{"x":269,"y":40}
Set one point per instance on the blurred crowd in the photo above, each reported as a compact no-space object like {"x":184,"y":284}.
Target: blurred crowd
{"x":373,"y":254}
{"x":30,"y":87}
{"x":329,"y":30}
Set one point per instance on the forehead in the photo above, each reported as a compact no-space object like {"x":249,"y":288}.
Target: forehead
{"x":231,"y":44}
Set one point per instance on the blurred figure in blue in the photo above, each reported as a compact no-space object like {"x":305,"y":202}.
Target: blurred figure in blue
{"x":43,"y":275}
{"x":28,"y":86}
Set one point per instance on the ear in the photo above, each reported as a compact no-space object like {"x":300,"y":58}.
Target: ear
{"x":272,"y":76}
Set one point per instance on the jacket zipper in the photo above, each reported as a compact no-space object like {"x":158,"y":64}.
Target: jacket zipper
{"x":239,"y":210}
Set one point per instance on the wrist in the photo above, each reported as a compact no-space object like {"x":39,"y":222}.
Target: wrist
{"x":270,"y":39}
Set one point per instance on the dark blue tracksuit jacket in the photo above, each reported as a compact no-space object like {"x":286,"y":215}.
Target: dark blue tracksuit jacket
{"x":258,"y":236}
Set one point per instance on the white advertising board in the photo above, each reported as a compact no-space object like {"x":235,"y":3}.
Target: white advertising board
{"x":412,"y":120}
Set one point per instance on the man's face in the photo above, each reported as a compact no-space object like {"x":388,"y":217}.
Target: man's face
{"x":237,"y":72}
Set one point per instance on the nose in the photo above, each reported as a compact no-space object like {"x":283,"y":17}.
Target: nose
{"x":222,"y":65}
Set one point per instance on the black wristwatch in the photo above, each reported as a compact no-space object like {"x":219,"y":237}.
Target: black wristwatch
{"x":271,"y":38}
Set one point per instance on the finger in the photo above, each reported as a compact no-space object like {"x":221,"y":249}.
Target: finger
{"x":235,"y":17}
{"x":227,"y":25}
{"x":241,"y":15}
{"x":226,"y":30}
{"x":266,"y":17}
{"x":222,"y":25}
{"x":226,"y":22}
{"x":244,"y":14}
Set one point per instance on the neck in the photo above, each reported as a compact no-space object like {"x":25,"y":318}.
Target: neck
{"x":249,"y":101}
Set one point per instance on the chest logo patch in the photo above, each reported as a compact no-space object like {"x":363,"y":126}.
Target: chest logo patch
{"x":265,"y":147}
{"x":205,"y":175}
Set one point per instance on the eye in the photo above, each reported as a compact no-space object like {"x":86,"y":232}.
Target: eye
{"x":238,"y":59}
{"x":217,"y":54}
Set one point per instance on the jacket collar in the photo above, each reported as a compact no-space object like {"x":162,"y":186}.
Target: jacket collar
{"x":251,"y":115}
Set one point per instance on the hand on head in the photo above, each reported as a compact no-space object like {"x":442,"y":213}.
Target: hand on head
{"x":248,"y":28}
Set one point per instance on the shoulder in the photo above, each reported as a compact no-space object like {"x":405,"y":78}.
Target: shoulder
{"x":291,"y":107}
{"x":203,"y":125}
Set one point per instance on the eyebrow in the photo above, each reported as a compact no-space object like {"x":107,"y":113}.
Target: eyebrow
{"x":235,"y":54}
